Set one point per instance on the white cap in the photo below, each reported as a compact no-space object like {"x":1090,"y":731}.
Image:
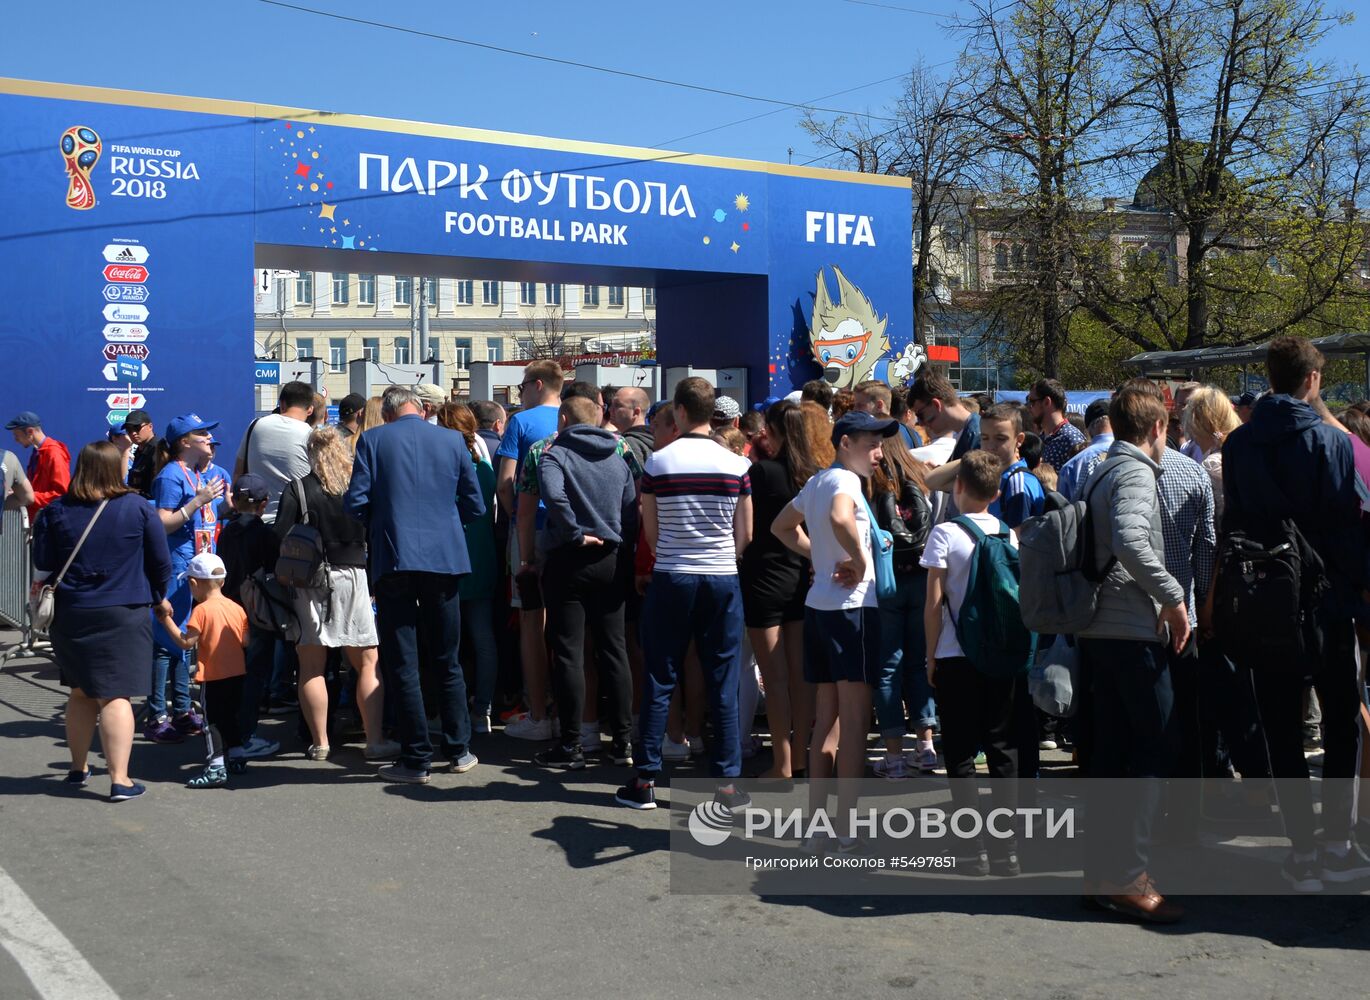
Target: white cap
{"x":796,"y":396}
{"x":206,"y":566}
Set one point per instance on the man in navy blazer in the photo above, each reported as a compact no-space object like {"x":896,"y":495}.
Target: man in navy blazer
{"x":413,"y":484}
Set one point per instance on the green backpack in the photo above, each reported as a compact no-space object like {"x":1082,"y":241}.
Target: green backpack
{"x":991,"y":630}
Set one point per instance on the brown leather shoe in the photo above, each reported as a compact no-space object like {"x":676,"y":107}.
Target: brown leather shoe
{"x":1140,"y":901}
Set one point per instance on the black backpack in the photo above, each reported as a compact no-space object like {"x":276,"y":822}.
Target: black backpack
{"x":269,"y":606}
{"x":303,"y":561}
{"x":1266,"y":591}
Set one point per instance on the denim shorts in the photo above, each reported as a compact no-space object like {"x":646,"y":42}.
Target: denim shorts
{"x":842,"y":645}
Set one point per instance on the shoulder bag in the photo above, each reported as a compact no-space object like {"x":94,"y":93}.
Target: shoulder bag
{"x":43,"y":605}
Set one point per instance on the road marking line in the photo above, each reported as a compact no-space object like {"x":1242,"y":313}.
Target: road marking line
{"x":54,"y":966}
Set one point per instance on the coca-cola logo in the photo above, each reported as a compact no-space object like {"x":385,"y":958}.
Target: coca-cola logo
{"x":115,"y":351}
{"x":131,"y":273}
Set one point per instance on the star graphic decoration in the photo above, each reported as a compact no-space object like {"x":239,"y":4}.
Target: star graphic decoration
{"x":735,"y":247}
{"x":719,"y":215}
{"x":302,"y":169}
{"x":326,"y":211}
{"x":741,"y":203}
{"x":349,"y":242}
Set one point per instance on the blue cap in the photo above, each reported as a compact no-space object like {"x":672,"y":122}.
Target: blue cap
{"x":656,"y":407}
{"x":26,"y":419}
{"x":186,"y":424}
{"x":251,"y":486}
{"x":766,"y":403}
{"x":861,"y":422}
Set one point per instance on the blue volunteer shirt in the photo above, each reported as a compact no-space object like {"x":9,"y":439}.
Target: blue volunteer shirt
{"x":524,"y":429}
{"x":1020,"y":495}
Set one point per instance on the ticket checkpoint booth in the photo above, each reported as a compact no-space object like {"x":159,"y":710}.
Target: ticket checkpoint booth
{"x":135,"y":223}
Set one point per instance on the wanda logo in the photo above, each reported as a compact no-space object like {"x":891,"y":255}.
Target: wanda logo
{"x":132,"y":273}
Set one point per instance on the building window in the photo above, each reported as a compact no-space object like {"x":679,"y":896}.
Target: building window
{"x":337,"y":354}
{"x":366,"y":289}
{"x":649,"y":298}
{"x":1001,"y":258}
{"x":494,"y":350}
{"x":401,"y":350}
{"x":340,"y":287}
{"x":552,"y":293}
{"x":304,"y":347}
{"x":404,"y":291}
{"x":528,"y":293}
{"x":489,"y":293}
{"x":465,"y":291}
{"x":616,"y":296}
{"x":432,"y":285}
{"x":1018,"y":257}
{"x":371,"y":349}
{"x":589,"y":296}
{"x":304,"y":288}
{"x":463,"y":355}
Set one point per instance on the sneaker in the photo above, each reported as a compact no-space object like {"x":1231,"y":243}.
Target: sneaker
{"x":734,"y":800}
{"x":671,"y":750}
{"x":621,"y":754}
{"x":122,"y":793}
{"x":407,"y":775}
{"x":463,"y":763}
{"x":589,"y":737}
{"x":282,"y":706}
{"x":926,"y":760}
{"x":257,"y":747}
{"x":974,"y":863}
{"x":384,"y":750}
{"x":318,"y":753}
{"x":1047,"y":743}
{"x":189,"y":724}
{"x":751,"y":746}
{"x":529,"y":728}
{"x":237,"y":765}
{"x":980,"y":758}
{"x":480,"y":722}
{"x":77,"y":779}
{"x":210,"y":777}
{"x":849,"y":845}
{"x":892,"y":768}
{"x":1345,"y":867}
{"x":636,"y":795}
{"x":696,"y":745}
{"x":161,"y":730}
{"x":1006,"y":866}
{"x":816,"y":843}
{"x":564,"y":758}
{"x":1302,"y":876}
{"x":513,"y":714}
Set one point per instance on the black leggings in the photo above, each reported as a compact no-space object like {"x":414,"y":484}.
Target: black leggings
{"x":223,"y":714}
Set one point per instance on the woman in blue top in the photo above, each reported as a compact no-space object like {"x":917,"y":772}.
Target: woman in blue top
{"x":185,"y":500}
{"x":101,"y":630}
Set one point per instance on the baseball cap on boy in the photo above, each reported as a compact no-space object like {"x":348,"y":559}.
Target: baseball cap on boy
{"x":206,"y":566}
{"x":430,"y":394}
{"x":861,"y":422}
{"x":726,"y":408}
{"x":187,"y":423}
{"x":350,"y":405}
{"x":25,"y":419}
{"x":250,"y":486}
{"x":136,"y":419}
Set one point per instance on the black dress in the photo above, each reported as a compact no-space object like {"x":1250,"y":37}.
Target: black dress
{"x":774,"y":580}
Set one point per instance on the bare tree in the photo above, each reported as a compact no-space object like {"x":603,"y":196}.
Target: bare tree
{"x":541,"y":333}
{"x":929,"y":145}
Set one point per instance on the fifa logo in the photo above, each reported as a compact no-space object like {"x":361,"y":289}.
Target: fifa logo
{"x":81,"y":148}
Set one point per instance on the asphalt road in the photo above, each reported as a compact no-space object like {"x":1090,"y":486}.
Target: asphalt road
{"x":317,"y":880}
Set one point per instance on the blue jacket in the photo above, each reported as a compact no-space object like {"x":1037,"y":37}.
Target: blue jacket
{"x":413,"y":486}
{"x":1287,"y":463}
{"x":124,"y":561}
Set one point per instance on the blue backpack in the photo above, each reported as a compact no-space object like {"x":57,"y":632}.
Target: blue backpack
{"x":990,"y":628}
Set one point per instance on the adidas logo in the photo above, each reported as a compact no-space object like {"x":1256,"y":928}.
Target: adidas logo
{"x":126,"y":254}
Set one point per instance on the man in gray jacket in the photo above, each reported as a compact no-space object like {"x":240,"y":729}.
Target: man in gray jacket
{"x":591,"y":513}
{"x":1124,"y":652}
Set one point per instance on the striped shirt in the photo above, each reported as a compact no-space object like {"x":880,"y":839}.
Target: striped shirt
{"x":696,"y":484}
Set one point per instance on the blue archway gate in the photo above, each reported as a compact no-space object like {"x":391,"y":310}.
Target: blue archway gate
{"x":132,"y":223}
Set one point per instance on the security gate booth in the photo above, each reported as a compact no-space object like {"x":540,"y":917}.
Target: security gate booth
{"x":134,"y":222}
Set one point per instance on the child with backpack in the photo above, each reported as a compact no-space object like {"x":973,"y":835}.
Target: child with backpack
{"x":1020,"y":492}
{"x":247,"y":544}
{"x":978,"y":650}
{"x":217,"y":628}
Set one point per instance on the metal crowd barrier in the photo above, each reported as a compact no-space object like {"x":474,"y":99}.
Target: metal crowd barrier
{"x":16,"y":570}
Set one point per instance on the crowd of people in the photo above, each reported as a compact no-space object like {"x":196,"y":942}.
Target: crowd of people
{"x":604,"y":575}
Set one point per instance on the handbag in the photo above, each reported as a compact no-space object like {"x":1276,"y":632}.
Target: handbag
{"x":882,"y":555}
{"x":43,"y":605}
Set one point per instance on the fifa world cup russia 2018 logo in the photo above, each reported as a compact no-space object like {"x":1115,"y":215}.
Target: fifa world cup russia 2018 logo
{"x":81,"y":148}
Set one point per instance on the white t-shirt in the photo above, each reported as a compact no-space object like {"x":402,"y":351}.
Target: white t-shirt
{"x":950,"y":548}
{"x":815,"y":501}
{"x":276,"y":452}
{"x":697,"y":484}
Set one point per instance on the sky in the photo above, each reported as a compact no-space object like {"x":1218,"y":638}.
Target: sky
{"x":795,"y":51}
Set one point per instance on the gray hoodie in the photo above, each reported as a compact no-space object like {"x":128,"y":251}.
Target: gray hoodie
{"x":587,"y":488}
{"x":1127,"y":524}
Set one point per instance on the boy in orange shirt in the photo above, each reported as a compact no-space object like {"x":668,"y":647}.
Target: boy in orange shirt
{"x":218,"y":627}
